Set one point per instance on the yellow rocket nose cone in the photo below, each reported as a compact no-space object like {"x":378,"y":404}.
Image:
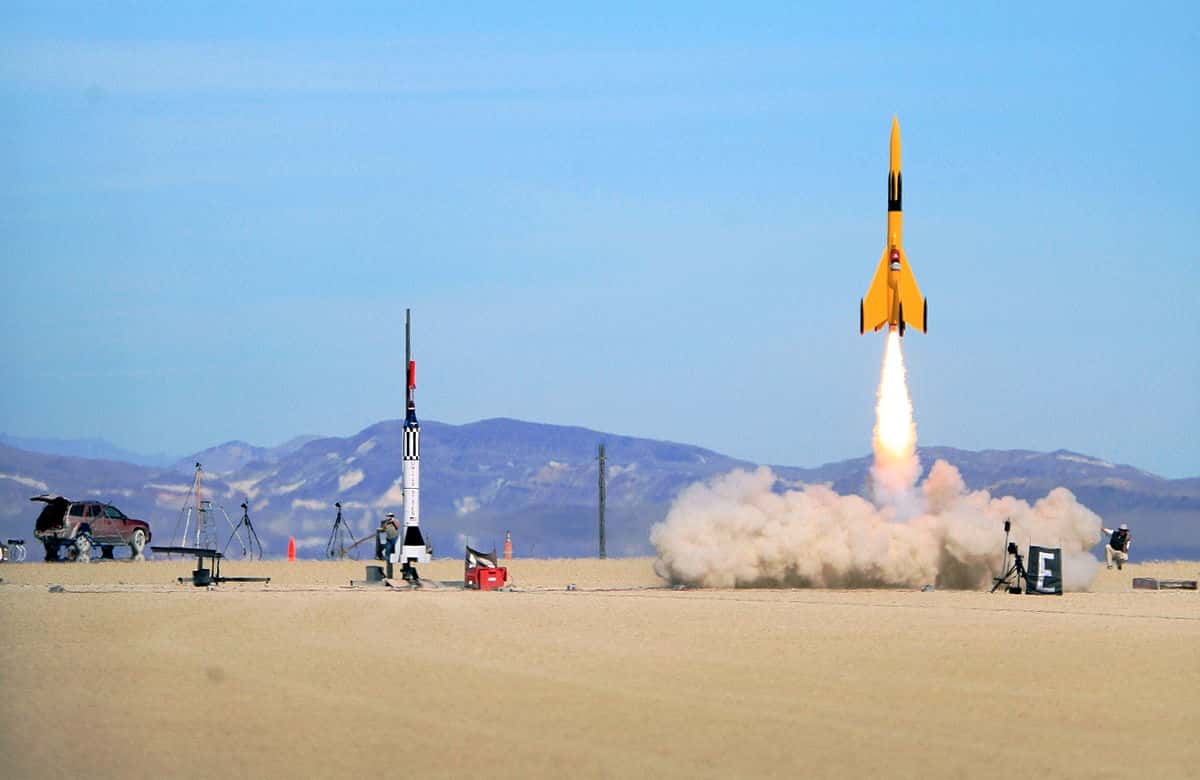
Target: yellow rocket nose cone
{"x":895,"y":145}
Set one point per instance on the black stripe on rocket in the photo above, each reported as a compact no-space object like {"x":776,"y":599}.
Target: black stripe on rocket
{"x":895,"y":191}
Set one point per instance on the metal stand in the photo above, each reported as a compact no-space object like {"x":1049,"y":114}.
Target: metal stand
{"x":1017,"y":569}
{"x":408,"y":572}
{"x":197,"y":526}
{"x":189,"y":511}
{"x":341,"y":539}
{"x":252,"y":542}
{"x":206,"y":525}
{"x":603,"y":501}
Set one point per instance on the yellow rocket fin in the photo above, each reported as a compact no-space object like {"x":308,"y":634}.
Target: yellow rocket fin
{"x":873,"y":314}
{"x":911,"y":299}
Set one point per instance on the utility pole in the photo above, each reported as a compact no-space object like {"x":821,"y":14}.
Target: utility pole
{"x":603,"y":551}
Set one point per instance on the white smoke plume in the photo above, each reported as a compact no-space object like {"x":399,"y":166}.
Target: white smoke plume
{"x":739,"y":531}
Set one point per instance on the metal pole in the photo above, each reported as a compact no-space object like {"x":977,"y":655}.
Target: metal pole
{"x":603,"y":551}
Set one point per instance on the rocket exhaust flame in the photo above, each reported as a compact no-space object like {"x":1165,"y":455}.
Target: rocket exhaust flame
{"x":894,"y":438}
{"x":895,"y":432}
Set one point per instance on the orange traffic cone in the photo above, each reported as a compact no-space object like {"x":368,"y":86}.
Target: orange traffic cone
{"x":507,"y":546}
{"x":291,"y":548}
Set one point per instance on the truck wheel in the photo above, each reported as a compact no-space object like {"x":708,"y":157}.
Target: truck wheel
{"x":83,"y":547}
{"x":137,"y":544}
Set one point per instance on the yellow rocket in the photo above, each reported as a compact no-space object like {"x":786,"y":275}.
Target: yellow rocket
{"x":893,"y":299}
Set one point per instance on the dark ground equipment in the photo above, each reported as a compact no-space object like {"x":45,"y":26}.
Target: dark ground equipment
{"x":341,"y":539}
{"x":380,"y":544}
{"x":205,"y":575}
{"x":1013,"y":575}
{"x":252,"y":545}
{"x":1153,"y":583}
{"x":1044,"y":577}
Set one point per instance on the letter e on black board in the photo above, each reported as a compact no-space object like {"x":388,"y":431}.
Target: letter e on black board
{"x":1043,"y":574}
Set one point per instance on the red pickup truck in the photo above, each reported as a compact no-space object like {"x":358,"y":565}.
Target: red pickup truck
{"x":75,"y":527}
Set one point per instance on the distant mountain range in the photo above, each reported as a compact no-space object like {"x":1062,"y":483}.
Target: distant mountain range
{"x":537,"y":481}
{"x":227,"y":458}
{"x":98,"y":449}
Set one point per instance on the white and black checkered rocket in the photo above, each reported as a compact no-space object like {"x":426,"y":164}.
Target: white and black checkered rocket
{"x":412,"y":548}
{"x":412,"y":433}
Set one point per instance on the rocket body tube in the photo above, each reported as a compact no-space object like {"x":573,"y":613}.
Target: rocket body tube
{"x":894,"y":299}
{"x":412,"y":469}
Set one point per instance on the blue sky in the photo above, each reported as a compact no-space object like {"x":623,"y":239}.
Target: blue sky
{"x":655,"y":221}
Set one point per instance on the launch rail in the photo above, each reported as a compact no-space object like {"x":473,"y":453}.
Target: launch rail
{"x":205,"y":575}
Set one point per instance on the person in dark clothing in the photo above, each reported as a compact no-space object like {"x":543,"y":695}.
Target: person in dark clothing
{"x":391,"y":529}
{"x":1117,"y":548}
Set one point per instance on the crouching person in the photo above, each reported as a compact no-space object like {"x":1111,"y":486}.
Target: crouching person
{"x":1117,"y":549}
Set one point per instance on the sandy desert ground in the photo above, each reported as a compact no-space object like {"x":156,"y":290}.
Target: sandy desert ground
{"x":127,"y":674}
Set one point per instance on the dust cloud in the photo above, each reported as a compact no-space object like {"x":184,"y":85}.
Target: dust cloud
{"x":742,"y":530}
{"x":739,"y":531}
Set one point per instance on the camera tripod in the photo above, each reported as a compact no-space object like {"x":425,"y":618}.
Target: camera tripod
{"x":341,"y":539}
{"x":252,"y":543}
{"x":1016,"y":571}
